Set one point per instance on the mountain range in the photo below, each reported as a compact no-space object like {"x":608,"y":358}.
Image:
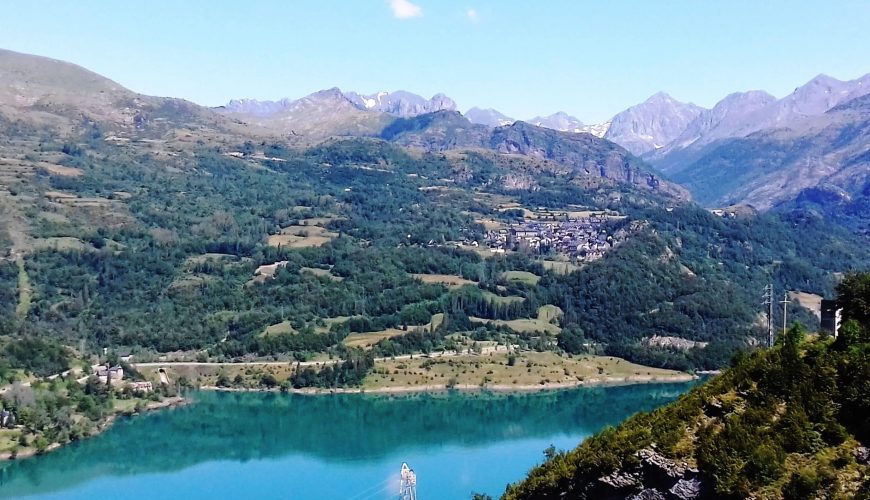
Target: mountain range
{"x":749,"y":148}
{"x":48,"y":95}
{"x":807,"y":149}
{"x":752,"y":148}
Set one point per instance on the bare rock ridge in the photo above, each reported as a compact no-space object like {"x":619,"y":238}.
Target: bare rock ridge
{"x":741,"y":114}
{"x":822,"y":160}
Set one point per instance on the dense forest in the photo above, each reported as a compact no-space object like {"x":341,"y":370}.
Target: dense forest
{"x":789,"y":422}
{"x":165,"y":257}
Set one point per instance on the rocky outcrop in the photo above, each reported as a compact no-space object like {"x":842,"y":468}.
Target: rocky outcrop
{"x":655,"y":477}
{"x":686,"y":489}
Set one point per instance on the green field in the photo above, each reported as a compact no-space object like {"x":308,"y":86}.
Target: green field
{"x":493,"y":368}
{"x":523,"y":277}
{"x":367,"y":339}
{"x":448,"y":280}
{"x":524,"y":325}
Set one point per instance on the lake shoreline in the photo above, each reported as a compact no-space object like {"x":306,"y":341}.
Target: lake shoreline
{"x":499,"y":388}
{"x":170,"y":402}
{"x":176,"y":401}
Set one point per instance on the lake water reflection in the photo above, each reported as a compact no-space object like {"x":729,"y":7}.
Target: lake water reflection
{"x":266,"y":445}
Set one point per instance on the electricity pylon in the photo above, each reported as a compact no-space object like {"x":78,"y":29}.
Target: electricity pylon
{"x":784,"y":303}
{"x":768,"y":301}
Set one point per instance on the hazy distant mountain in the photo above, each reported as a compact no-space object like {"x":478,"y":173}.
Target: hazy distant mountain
{"x":827,"y":153}
{"x":651,"y":124}
{"x":751,"y":148}
{"x":560,"y":121}
{"x":724,"y":120}
{"x":488,"y":117}
{"x":811,"y":99}
{"x":321,"y":114}
{"x":332,"y":112}
{"x":401,"y":103}
{"x":254,"y":107}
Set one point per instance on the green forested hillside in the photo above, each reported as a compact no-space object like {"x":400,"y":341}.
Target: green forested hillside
{"x":789,"y":422}
{"x":149,"y":250}
{"x":159,"y":226}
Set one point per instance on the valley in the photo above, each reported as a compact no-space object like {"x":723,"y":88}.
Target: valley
{"x":385,"y":243}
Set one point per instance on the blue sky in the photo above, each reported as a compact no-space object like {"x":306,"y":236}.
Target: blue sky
{"x":590,"y":59}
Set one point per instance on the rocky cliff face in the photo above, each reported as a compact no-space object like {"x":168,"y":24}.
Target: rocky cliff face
{"x":655,"y":477}
{"x":582,"y":154}
{"x":585,"y":154}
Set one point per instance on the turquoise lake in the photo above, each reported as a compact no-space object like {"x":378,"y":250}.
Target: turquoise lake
{"x":350,"y":446}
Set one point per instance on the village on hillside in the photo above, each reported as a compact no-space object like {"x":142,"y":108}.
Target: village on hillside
{"x":582,"y":236}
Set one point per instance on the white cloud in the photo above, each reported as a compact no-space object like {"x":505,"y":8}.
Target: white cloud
{"x":403,"y":9}
{"x":471,"y":14}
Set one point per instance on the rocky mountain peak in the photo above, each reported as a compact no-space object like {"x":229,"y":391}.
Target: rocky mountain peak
{"x":651,"y":124}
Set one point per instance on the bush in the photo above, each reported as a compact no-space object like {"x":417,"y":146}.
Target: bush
{"x":766,"y":464}
{"x":802,"y":485}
